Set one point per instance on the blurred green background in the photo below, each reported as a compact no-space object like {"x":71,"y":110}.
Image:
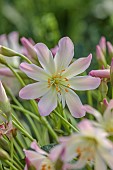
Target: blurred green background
{"x":84,"y":21}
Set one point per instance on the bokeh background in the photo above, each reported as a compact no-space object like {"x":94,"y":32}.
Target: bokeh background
{"x":84,"y":21}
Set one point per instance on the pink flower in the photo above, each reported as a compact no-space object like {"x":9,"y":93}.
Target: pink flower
{"x":37,"y":158}
{"x":100,"y":55}
{"x":105,"y":121}
{"x":57,"y":80}
{"x":91,"y":146}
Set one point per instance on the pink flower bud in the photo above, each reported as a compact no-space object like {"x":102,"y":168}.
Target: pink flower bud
{"x":111,"y":72}
{"x":54,"y":50}
{"x":102,"y":44}
{"x":100,"y":73}
{"x":29,"y":47}
{"x":110,"y":49}
{"x":100,"y":56}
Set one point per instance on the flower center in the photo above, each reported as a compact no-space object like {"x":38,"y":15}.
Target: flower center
{"x":59,"y":82}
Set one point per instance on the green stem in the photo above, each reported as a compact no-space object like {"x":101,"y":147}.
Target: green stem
{"x":15,"y":163}
{"x":26,"y":112}
{"x":89,"y":97}
{"x":23,"y":131}
{"x":12,"y":141}
{"x":49,"y":128}
{"x":69,"y":124}
{"x":24,"y":57}
{"x":10,"y":164}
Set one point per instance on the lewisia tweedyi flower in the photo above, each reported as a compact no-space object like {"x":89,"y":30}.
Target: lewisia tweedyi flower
{"x":37,"y":159}
{"x":57,"y":80}
{"x":105,"y":121}
{"x":91,"y":146}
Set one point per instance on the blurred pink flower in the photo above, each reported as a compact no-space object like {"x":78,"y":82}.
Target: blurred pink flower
{"x":37,"y":158}
{"x":58,"y":80}
{"x":105,"y":121}
{"x":91,"y":146}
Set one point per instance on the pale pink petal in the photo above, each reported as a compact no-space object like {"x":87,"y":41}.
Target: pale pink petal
{"x":94,"y":112}
{"x":79,"y":66}
{"x":34,"y":72}
{"x":37,"y":148}
{"x":48,"y":103}
{"x":108,"y":114}
{"x":33,"y":91}
{"x":6,"y":72}
{"x":74,"y":104}
{"x":65,"y":53}
{"x":85,"y":125}
{"x":84,"y":83}
{"x":56,"y":153}
{"x":32,"y":155}
{"x":99,"y":163}
{"x":45,"y":57}
{"x":13,"y":38}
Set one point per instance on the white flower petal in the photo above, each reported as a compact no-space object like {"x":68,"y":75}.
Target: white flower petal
{"x":48,"y":102}
{"x":107,"y":155}
{"x":45,"y":57}
{"x":65,"y":54}
{"x":99,"y":163}
{"x":84,"y":83}
{"x":74,"y":104}
{"x":33,"y":91}
{"x":33,"y":71}
{"x":79,"y":66}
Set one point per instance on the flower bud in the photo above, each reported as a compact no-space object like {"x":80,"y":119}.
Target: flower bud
{"x":2,"y":60}
{"x":3,"y":154}
{"x":100,"y":56}
{"x":110,"y":49}
{"x":29,"y":47}
{"x":111,"y":72}
{"x":105,"y":73}
{"x":7,"y":52}
{"x":102,"y":44}
{"x":4,"y":102}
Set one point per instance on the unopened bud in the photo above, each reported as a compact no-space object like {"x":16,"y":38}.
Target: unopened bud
{"x":3,"y":154}
{"x":102,"y":44}
{"x":2,"y":60}
{"x":110,"y":49}
{"x":7,"y":52}
{"x":4,"y":101}
{"x":100,"y":56}
{"x":29,"y":47}
{"x":105,"y":73}
{"x":111,"y":72}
